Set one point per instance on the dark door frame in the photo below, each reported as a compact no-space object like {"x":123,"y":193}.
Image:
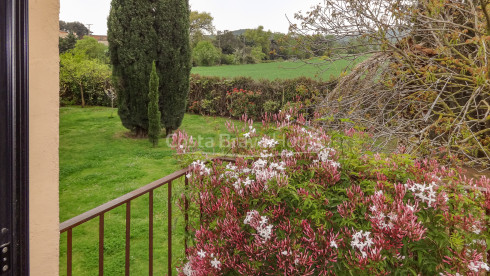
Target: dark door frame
{"x":14,"y":151}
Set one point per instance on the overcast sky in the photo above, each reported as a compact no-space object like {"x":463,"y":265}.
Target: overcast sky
{"x":228,"y":14}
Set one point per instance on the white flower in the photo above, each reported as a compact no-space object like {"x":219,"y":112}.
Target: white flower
{"x":189,"y":175}
{"x":472,"y":266}
{"x":201,"y":253}
{"x":265,"y":232}
{"x":333,"y":244}
{"x":250,"y":215}
{"x":259,"y":164}
{"x":263,"y":220}
{"x":424,"y":192}
{"x":246,"y":135}
{"x":359,"y":244}
{"x":285,"y":253}
{"x":267,"y":143}
{"x":476,"y":230}
{"x":215,"y":263}
{"x":187,"y":270}
{"x":181,"y":146}
{"x":288,"y":117}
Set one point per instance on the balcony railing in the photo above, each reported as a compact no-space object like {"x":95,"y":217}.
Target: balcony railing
{"x":69,"y":225}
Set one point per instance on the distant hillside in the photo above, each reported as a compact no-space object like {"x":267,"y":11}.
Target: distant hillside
{"x":239,"y":32}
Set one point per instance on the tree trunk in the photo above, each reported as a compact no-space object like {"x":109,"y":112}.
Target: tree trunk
{"x":168,"y":131}
{"x":81,"y":95}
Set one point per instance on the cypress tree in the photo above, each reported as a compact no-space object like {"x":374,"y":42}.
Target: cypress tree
{"x":133,"y":47}
{"x":174,"y":61}
{"x":140,"y":31}
{"x":154,"y":126}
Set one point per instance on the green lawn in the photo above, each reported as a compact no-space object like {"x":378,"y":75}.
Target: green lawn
{"x":276,"y":70}
{"x":98,"y":163}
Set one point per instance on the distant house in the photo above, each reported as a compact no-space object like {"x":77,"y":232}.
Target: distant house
{"x":63,"y":34}
{"x":101,"y":39}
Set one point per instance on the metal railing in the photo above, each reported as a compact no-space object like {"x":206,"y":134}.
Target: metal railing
{"x":69,"y":225}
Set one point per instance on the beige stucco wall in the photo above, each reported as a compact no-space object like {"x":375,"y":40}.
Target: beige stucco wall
{"x":43,"y":135}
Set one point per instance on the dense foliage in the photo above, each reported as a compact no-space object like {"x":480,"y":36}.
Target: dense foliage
{"x":140,"y":31}
{"x":238,"y":96}
{"x":85,"y":74}
{"x":303,"y":202}
{"x":67,"y":43}
{"x":154,"y":125}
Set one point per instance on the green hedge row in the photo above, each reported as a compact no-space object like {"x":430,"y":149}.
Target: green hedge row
{"x":232,"y":97}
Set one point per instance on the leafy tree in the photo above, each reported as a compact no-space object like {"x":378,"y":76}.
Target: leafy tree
{"x":259,"y":37}
{"x":200,"y":23}
{"x":142,"y":31}
{"x":205,"y":54}
{"x":67,"y":43}
{"x":82,"y":80}
{"x":92,"y":49}
{"x":228,"y":42}
{"x":74,"y":27}
{"x":154,"y":125}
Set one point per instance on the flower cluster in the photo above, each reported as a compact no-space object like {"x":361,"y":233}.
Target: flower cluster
{"x":318,"y":205}
{"x":259,"y":223}
{"x":362,"y":242}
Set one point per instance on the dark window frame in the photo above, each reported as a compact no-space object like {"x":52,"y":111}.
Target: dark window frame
{"x":14,"y":151}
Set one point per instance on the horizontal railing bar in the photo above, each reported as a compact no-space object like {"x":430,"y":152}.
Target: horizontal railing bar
{"x":119,"y":201}
{"x":75,"y":221}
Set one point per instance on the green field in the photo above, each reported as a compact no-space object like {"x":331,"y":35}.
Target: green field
{"x":277,"y":70}
{"x":98,"y":163}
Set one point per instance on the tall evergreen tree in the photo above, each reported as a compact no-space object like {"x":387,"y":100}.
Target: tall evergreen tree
{"x":174,"y":64}
{"x":154,"y":126}
{"x":140,"y":31}
{"x":132,"y":47}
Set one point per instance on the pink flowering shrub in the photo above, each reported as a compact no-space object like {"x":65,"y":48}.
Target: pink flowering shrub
{"x":304,"y":202}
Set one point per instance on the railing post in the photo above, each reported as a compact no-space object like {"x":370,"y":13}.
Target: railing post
{"x":69,"y":248}
{"x":101,"y":244}
{"x":128,"y":236}
{"x":186,"y":214}
{"x":150,"y":234}
{"x":169,"y":204}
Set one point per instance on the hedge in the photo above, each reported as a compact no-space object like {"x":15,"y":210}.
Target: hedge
{"x":232,"y":97}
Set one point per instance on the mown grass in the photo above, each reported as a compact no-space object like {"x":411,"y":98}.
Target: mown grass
{"x":98,"y":163}
{"x":277,"y":70}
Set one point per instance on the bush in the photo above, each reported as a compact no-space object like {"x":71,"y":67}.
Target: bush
{"x":227,"y":59}
{"x":212,"y":94}
{"x":240,"y":102}
{"x":205,"y":54}
{"x":319,"y":204}
{"x":83,"y":80}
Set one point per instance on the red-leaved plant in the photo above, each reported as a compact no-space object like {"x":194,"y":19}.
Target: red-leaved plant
{"x":309,"y":203}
